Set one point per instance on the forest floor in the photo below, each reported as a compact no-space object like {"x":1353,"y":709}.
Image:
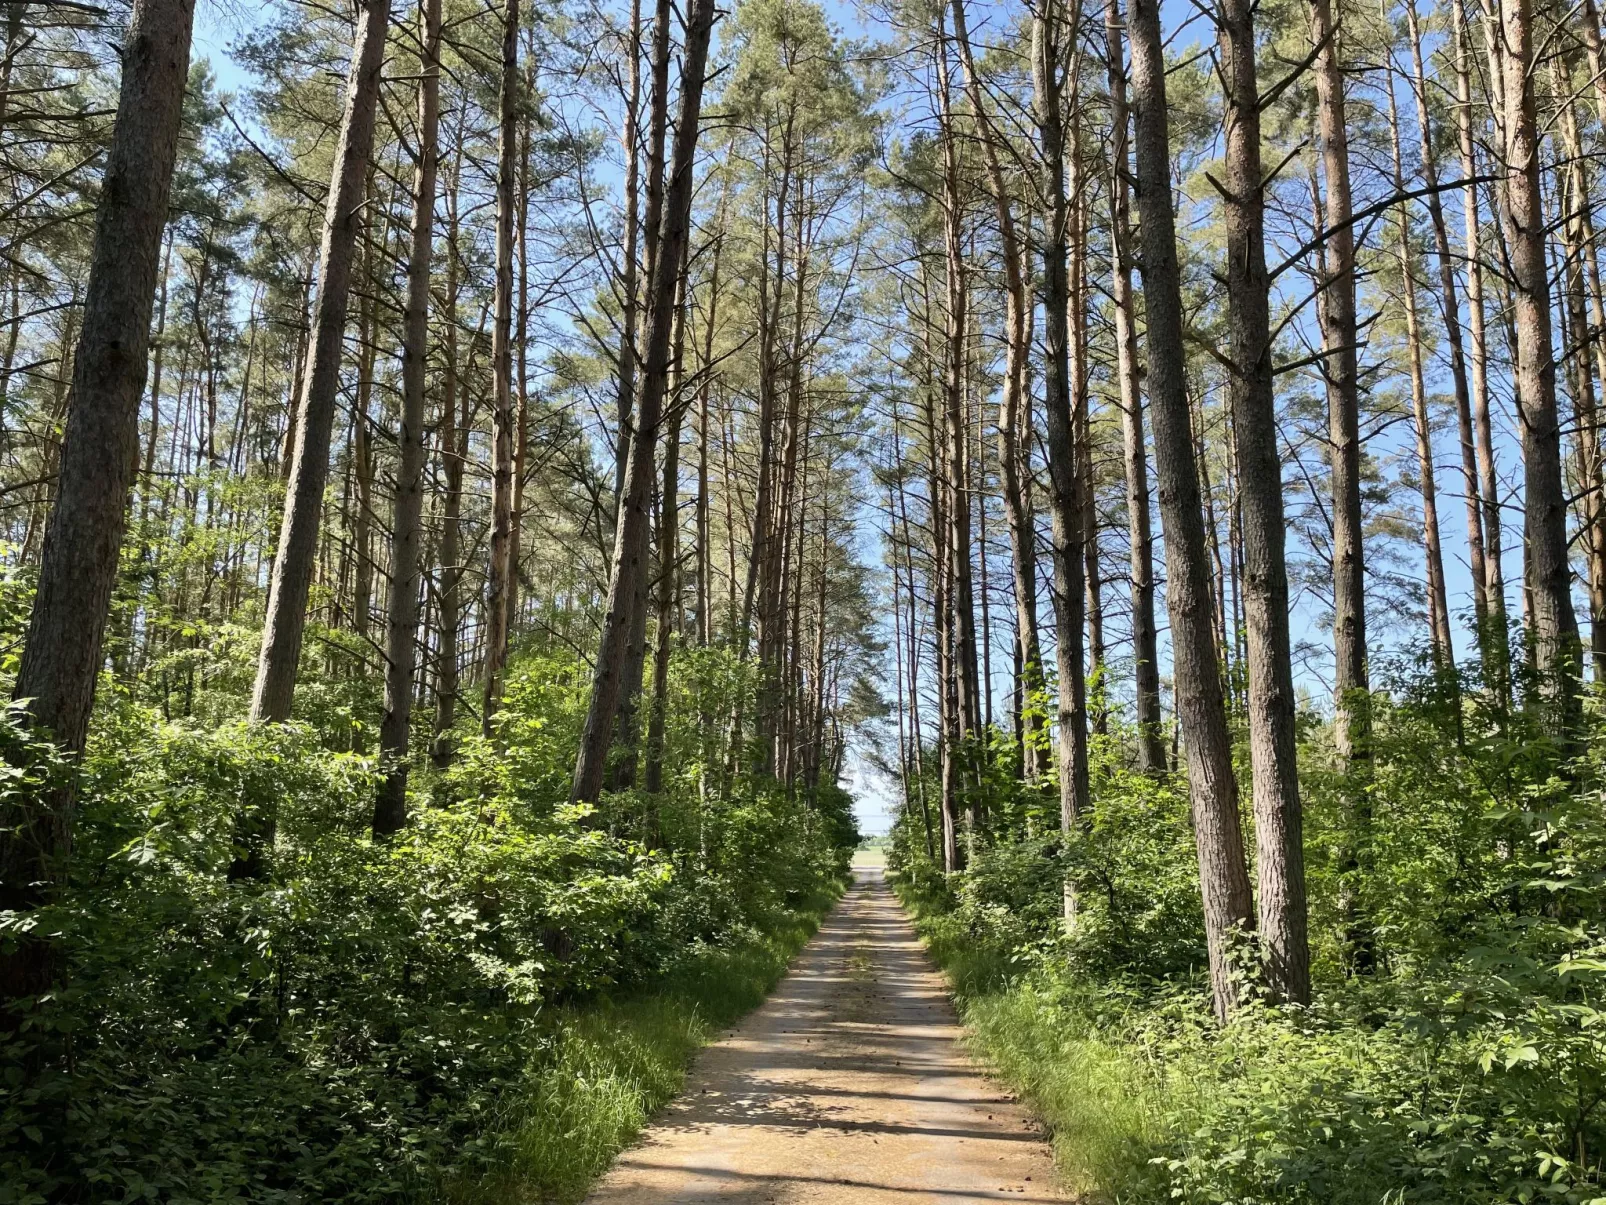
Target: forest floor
{"x":849,"y":1085}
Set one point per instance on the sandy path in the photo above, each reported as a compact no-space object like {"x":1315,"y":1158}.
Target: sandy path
{"x":848,"y":1085}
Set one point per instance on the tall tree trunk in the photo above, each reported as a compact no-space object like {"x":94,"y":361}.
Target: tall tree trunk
{"x":1555,"y":627}
{"x":1279,"y":846}
{"x":1494,"y":640}
{"x":947,"y":683}
{"x":78,"y":569}
{"x":818,"y":702}
{"x":703,"y":613}
{"x":362,"y":443}
{"x":1578,"y":250}
{"x":521,"y":354}
{"x":628,"y":285}
{"x":1140,"y":537}
{"x":298,"y":378}
{"x":956,"y":445}
{"x":453,"y":439}
{"x":1438,"y":601}
{"x":1597,"y":303}
{"x":978,"y":457}
{"x":916,"y":734}
{"x":630,"y":550}
{"x":499,"y":576}
{"x":1048,"y":39}
{"x":148,"y":489}
{"x":1012,"y":459}
{"x":669,"y":539}
{"x":778,"y":615}
{"x":1590,"y":29}
{"x":1450,"y":313}
{"x":1352,"y":723}
{"x":1351,"y":683}
{"x":768,"y":318}
{"x":1082,"y":401}
{"x":401,"y":630}
{"x":908,"y":784}
{"x":626,"y":733}
{"x":941,"y":579}
{"x":1218,"y":833}
{"x":294,"y":561}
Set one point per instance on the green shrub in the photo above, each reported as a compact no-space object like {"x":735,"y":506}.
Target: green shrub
{"x":1468,"y":1067}
{"x":375,"y":1019}
{"x":615,"y":1063}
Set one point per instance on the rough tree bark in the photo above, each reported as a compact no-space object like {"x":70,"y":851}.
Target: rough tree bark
{"x":1017,"y":350}
{"x":1145,"y":640}
{"x":669,"y":539}
{"x":453,"y":440}
{"x":295,"y":557}
{"x":1279,"y":845}
{"x":630,"y":552}
{"x":1351,"y":683}
{"x":1218,"y":832}
{"x":941,"y":591}
{"x":629,"y":286}
{"x":1578,"y":264}
{"x":956,"y":443}
{"x":362,"y":466}
{"x":626,"y":728}
{"x":1555,"y":627}
{"x":100,"y":447}
{"x":521,"y":350}
{"x":500,"y":574}
{"x":1082,"y":432}
{"x":1494,"y":641}
{"x":401,"y":631}
{"x":1065,"y":497}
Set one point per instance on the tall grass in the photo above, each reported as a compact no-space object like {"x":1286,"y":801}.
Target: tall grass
{"x":1100,"y":1102}
{"x":1096,"y":1099}
{"x":612,"y":1063}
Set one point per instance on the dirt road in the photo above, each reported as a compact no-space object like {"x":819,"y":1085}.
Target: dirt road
{"x":848,"y":1085}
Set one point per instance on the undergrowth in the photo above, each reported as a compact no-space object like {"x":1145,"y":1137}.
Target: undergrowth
{"x":1093,"y":1096}
{"x":484,"y":1006}
{"x":1466,"y":1065}
{"x":616,"y":1062}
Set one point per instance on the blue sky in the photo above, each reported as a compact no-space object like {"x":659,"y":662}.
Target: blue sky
{"x":221,"y":22}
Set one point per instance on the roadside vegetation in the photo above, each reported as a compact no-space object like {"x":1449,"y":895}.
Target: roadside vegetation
{"x":476,"y":479}
{"x":1464,"y":1061}
{"x":614,"y":1062}
{"x":485,"y":1009}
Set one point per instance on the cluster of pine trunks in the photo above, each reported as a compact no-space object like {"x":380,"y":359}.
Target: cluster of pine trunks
{"x":1035,"y":191}
{"x":1231,"y":613}
{"x":343,"y":568}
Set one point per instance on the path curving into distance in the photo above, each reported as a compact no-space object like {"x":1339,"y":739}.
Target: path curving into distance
{"x":848,"y":1085}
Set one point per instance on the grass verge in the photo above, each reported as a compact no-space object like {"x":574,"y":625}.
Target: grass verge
{"x":1095,"y":1098}
{"x":613,"y":1063}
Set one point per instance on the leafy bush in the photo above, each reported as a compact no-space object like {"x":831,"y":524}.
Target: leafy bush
{"x":614,"y":1062}
{"x":1470,"y":1066}
{"x":361,"y":1025}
